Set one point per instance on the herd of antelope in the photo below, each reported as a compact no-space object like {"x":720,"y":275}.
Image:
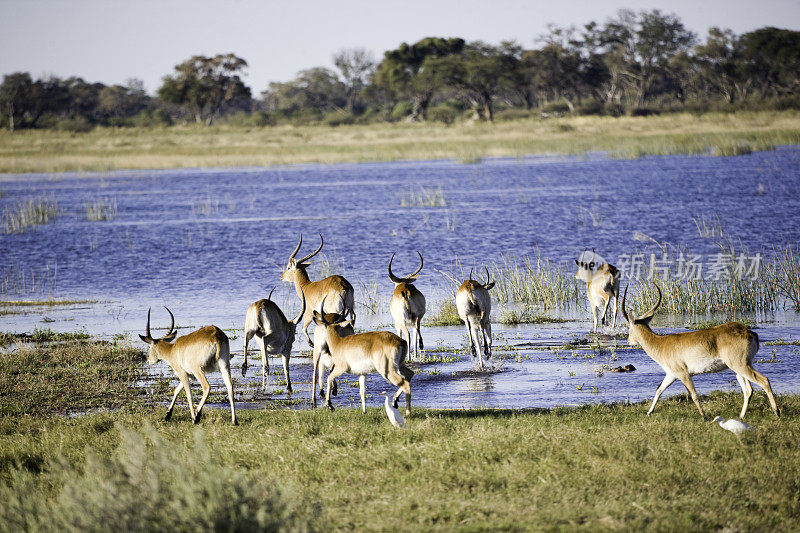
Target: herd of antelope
{"x":330,"y":303}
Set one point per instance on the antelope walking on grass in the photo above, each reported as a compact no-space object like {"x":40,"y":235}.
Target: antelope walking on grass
{"x":364,"y":353}
{"x":336,"y":289}
{"x":474,"y":306}
{"x":321,"y":358}
{"x":601,"y":285}
{"x":407,"y":307}
{"x":275,"y":335}
{"x":194,"y":354}
{"x":683,"y":355}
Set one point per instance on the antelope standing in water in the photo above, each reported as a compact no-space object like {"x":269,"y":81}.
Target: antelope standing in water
{"x":683,"y":355}
{"x":601,"y":285}
{"x":201,"y":351}
{"x":474,"y":306}
{"x":275,"y":335}
{"x":336,"y":289}
{"x":407,"y":307}
{"x":364,"y":353}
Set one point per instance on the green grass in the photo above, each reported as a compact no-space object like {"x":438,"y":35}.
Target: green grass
{"x":43,"y":303}
{"x":42,"y":335}
{"x":445,"y":315}
{"x":71,"y":375}
{"x":536,"y":281}
{"x":591,"y":468}
{"x":226,"y":146}
{"x":527,"y":316}
{"x":27,"y":214}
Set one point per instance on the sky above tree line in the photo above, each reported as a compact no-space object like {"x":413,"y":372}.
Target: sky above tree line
{"x":111,"y":41}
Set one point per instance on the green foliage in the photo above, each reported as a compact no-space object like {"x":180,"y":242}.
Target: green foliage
{"x":446,"y":315}
{"x":150,"y":484}
{"x":446,"y":112}
{"x":401,"y":110}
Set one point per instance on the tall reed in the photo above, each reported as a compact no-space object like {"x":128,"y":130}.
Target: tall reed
{"x":535,"y":281}
{"x":28,"y":214}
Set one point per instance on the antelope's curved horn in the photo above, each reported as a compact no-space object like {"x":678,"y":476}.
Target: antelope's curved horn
{"x":299,"y":317}
{"x":487,"y":275}
{"x":147,"y":327}
{"x":653,"y":310}
{"x":392,"y":277}
{"x":417,"y":271}
{"x":299,"y":244}
{"x":315,"y":252}
{"x":322,"y":311}
{"x":624,"y":312}
{"x":470,"y":274}
{"x":172,"y":323}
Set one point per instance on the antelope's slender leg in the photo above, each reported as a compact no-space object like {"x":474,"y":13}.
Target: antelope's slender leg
{"x":669,"y":379}
{"x":172,"y":403}
{"x":225,"y":370}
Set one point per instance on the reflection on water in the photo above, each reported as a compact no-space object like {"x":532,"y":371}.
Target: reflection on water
{"x":207,"y":243}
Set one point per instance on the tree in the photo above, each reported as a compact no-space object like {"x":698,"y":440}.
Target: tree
{"x":15,"y":96}
{"x":406,"y":70}
{"x":122,"y":101}
{"x":639,"y":48}
{"x":203,"y":85}
{"x":717,"y":64}
{"x":317,"y":88}
{"x":479,"y":73}
{"x":771,"y":57}
{"x":355,"y":66}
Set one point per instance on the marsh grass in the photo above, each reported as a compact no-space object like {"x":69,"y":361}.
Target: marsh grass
{"x":42,"y":335}
{"x":527,"y":316}
{"x":101,"y":209}
{"x":15,"y":279}
{"x":446,"y":314}
{"x":29,"y":213}
{"x":422,"y":196}
{"x":708,"y":226}
{"x":786,"y":274}
{"x":535,"y":281}
{"x":44,"y":303}
{"x":38,"y":379}
{"x":597,"y":467}
{"x":231,"y":146}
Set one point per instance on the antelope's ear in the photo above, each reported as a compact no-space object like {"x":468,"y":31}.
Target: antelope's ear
{"x":171,"y":336}
{"x":489,"y":285}
{"x":576,"y":262}
{"x":591,"y":265}
{"x":145,"y":339}
{"x":317,"y":318}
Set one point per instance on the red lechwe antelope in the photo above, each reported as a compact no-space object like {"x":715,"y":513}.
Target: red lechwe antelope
{"x":601,"y":285}
{"x":321,"y":357}
{"x":275,"y":335}
{"x":683,"y":355}
{"x":336,"y":289}
{"x":364,"y":353}
{"x":192,"y":355}
{"x":474,"y":306}
{"x":407,"y":307}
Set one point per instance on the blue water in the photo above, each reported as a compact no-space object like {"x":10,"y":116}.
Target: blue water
{"x":207,"y":242}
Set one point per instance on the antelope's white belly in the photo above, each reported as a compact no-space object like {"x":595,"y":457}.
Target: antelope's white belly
{"x":362,"y":367}
{"x":705,"y":365}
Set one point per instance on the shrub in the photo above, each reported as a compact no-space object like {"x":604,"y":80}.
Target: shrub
{"x":148,"y":484}
{"x":446,"y":112}
{"x":338,"y":118}
{"x":401,"y":110}
{"x":78,"y":124}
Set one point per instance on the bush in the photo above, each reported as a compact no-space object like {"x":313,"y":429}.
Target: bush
{"x":512,"y":113}
{"x":152,"y":118}
{"x":402,"y":109}
{"x":555,"y":108}
{"x":78,"y":124}
{"x":643,"y":112}
{"x":168,"y":487}
{"x":446,"y":112}
{"x":590,"y":108}
{"x":338,"y":118}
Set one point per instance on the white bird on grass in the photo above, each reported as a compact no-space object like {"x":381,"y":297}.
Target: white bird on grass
{"x":737,"y":427}
{"x":394,"y":415}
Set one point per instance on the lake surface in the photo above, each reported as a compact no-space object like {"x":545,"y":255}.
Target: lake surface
{"x":207,"y":243}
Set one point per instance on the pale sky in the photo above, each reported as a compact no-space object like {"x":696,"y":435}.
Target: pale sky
{"x":110,"y":40}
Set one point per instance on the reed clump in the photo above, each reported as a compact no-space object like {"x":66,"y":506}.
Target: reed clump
{"x":101,"y":209}
{"x":423,"y":197}
{"x":446,"y":314}
{"x":29,"y":213}
{"x":535,"y":281}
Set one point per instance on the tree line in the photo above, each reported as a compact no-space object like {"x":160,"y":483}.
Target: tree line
{"x":635,"y":63}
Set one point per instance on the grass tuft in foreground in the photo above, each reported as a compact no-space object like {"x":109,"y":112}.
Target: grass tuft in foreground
{"x":446,"y":315}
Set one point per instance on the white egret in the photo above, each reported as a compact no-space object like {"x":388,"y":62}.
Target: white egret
{"x":737,"y":427}
{"x":394,"y":415}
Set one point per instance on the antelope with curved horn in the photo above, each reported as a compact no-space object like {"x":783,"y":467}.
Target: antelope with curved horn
{"x":192,"y":355}
{"x":364,"y":353}
{"x":474,"y":306}
{"x":601,"y":285}
{"x":683,"y":355}
{"x":275,"y":334}
{"x":322,"y":359}
{"x":407,"y":306}
{"x":338,"y":290}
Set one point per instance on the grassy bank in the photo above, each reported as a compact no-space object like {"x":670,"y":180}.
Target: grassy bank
{"x":226,"y":146}
{"x":602,"y":467}
{"x":596,"y":467}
